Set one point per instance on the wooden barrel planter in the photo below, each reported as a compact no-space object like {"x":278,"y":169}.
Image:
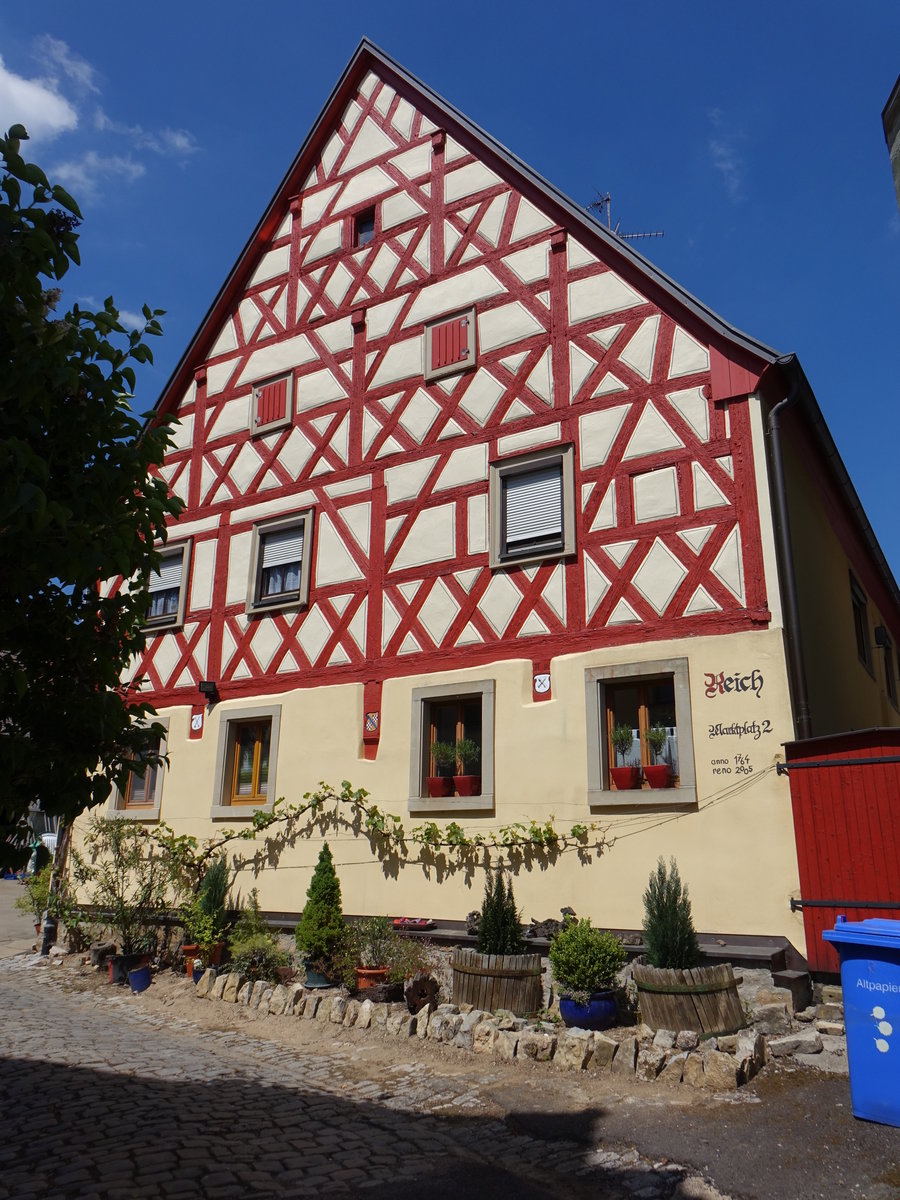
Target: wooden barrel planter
{"x":704,"y":999}
{"x":492,"y":981}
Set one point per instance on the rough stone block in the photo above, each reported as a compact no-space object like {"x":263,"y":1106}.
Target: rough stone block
{"x":205,"y":984}
{"x":338,"y":1010}
{"x":465,"y":1035}
{"x":604,"y":1052}
{"x":832,"y":993}
{"x":380,"y":1013}
{"x":351,"y":1013}
{"x":451,"y":1026}
{"x":424,"y":1017}
{"x":806,"y":1014}
{"x":398,"y":1024}
{"x":218,"y":987}
{"x":773,"y":1019}
{"x":233,"y":984}
{"x":510,"y":1024}
{"x":650,"y":1061}
{"x":311,"y":1006}
{"x":505,"y":1044}
{"x":323,"y":1012}
{"x":687,"y":1039}
{"x":448,"y":1008}
{"x":364,"y":1016}
{"x":727,"y":1043}
{"x":300,"y":1004}
{"x":720,"y":1071}
{"x":674,"y":1068}
{"x":484,"y":1036}
{"x":750,"y":1053}
{"x":692,"y":1071}
{"x":626,"y":1057}
{"x":832,"y":1044}
{"x":774,"y":995}
{"x":257,"y":992}
{"x":243,"y":996}
{"x":830,"y":1012}
{"x":574,"y":1049}
{"x":807,"y":1041}
{"x":278,"y":1001}
{"x":645,"y":1033}
{"x":664,"y":1039}
{"x":536,"y":1045}
{"x":295,"y":991}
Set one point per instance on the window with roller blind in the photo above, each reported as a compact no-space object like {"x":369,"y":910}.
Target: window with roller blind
{"x":532,"y":503}
{"x":279,"y":565}
{"x":271,"y":404}
{"x":167,"y":588}
{"x":450,"y":345}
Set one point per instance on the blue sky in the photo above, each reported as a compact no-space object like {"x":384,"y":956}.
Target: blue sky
{"x":751,"y":134}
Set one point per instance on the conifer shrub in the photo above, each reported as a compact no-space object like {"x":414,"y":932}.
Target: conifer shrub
{"x":669,"y":936}
{"x":499,"y":929}
{"x":321,"y":929}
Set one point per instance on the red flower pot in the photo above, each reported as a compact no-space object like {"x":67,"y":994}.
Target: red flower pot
{"x":467,"y":785}
{"x":369,"y":977}
{"x":439,"y":785}
{"x":625,"y":778}
{"x":659,"y":776}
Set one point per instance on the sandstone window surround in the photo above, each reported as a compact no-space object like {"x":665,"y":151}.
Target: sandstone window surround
{"x":532,"y":507}
{"x":280,"y":558}
{"x":167,"y":587}
{"x":450,"y":345}
{"x":142,"y":798}
{"x":426,"y":703}
{"x":246,"y":761}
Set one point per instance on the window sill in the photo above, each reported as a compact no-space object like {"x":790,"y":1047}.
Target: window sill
{"x":455,"y":804}
{"x":237,"y":812}
{"x":674,"y":797}
{"x":148,"y":813}
{"x":262,"y":430}
{"x":504,"y":563}
{"x":291,"y":603}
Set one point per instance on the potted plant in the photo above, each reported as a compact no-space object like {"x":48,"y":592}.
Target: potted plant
{"x":443,"y":755}
{"x":321,"y":929}
{"x":625,"y":777}
{"x":254,"y":948}
{"x":37,"y":896}
{"x":585,"y":964}
{"x":674,"y":991}
{"x":468,"y":754}
{"x":204,"y":918}
{"x":659,"y":774}
{"x":498,"y":974}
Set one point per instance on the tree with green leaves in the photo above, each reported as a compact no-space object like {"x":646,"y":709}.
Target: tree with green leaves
{"x":669,"y":936}
{"x":78,"y":505}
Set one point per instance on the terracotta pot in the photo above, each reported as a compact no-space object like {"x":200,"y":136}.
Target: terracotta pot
{"x":439,"y":785}
{"x":659,"y":776}
{"x":625,"y":778}
{"x":190,"y":952}
{"x":369,"y":977}
{"x":467,"y":785}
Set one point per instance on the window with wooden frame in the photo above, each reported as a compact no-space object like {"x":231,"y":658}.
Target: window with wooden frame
{"x":886,"y":646}
{"x":280,"y":563}
{"x":364,"y":226}
{"x":445,"y":715}
{"x":167,"y":588}
{"x":271,"y":404}
{"x":142,"y":796}
{"x":532,"y":507}
{"x":246,"y":757}
{"x":450,"y":345}
{"x":860,"y":604}
{"x":639,"y":697}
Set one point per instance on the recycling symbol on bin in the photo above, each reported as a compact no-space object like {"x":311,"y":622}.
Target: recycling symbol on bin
{"x":885,"y":1028}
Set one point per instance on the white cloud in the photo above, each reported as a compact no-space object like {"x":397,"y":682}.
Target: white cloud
{"x":166,"y":141}
{"x":58,"y":54}
{"x":83,"y":176}
{"x":726,"y":156}
{"x":131,"y":320}
{"x":34,"y":103}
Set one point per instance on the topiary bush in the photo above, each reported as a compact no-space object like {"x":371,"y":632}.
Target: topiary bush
{"x":585,"y":960}
{"x":669,"y":936}
{"x":321,"y":929}
{"x":500,"y":925}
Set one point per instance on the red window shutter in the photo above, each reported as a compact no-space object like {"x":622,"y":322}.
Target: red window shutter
{"x":450,"y":343}
{"x":271,"y":402}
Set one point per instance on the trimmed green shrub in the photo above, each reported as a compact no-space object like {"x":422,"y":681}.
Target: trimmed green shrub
{"x":669,"y":937}
{"x":321,"y":929}
{"x":499,"y":929}
{"x":255,"y":952}
{"x":586,"y":960}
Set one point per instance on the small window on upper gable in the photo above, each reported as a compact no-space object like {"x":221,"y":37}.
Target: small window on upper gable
{"x":450,"y":345}
{"x":364,"y":227}
{"x":271,"y":404}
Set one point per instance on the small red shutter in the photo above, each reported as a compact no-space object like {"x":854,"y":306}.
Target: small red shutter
{"x":271,"y":402}
{"x":450,"y":343}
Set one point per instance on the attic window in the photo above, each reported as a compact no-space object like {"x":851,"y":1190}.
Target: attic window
{"x":364,"y":227}
{"x":450,"y":345}
{"x":271,"y":404}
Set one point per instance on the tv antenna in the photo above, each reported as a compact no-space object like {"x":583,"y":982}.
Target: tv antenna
{"x":602,"y":202}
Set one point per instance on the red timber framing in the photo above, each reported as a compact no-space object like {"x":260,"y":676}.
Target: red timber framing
{"x":845,"y":795}
{"x":579,"y":342}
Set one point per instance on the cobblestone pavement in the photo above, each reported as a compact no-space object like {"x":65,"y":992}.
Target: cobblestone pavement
{"x":101,"y":1101}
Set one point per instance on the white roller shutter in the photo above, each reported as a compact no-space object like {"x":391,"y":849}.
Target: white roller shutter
{"x":534,"y":505}
{"x":285,"y":546}
{"x":169,"y":574}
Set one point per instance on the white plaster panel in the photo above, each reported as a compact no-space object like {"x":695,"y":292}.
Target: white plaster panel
{"x":327,"y":241}
{"x":238,"y":567}
{"x":399,"y":208}
{"x":357,"y":626}
{"x":464,"y":181}
{"x":364,"y":186}
{"x":517,"y":411}
{"x":707,"y":494}
{"x":321,"y":387}
{"x":351,"y":115}
{"x":390,"y":619}
{"x":432,"y":538}
{"x":368,"y":84}
{"x":555,"y":592}
{"x":659,"y":576}
{"x":652,"y":434}
{"x":166,"y":658}
{"x":532,"y":626}
{"x":419,"y":415}
{"x":217,"y":376}
{"x":402,"y":360}
{"x":368,"y":142}
{"x":609,"y":385}
{"x":405,"y":482}
{"x":540,"y":380}
{"x":452,"y":238}
{"x":606,"y":337}
{"x":358,"y":519}
{"x":347,"y":487}
{"x":185,"y":529}
{"x":282,"y":356}
{"x":438,"y":612}
{"x":415,"y":162}
{"x":467,"y":465}
{"x":337,"y":335}
{"x":227,"y":340}
{"x":340,"y":439}
{"x":623,"y":614}
{"x":596,"y":585}
{"x":390,"y":445}
{"x":688,"y":356}
{"x":509,"y":323}
{"x":276,"y":508}
{"x":619,"y":551}
{"x":190,"y":395}
{"x":512,"y":362}
{"x":232,"y":417}
{"x":383,"y":99}
{"x":580,"y":366}
{"x":250,"y":318}
{"x":656,"y":495}
{"x":370,"y":431}
{"x":380,"y":318}
{"x":451,"y":429}
{"x":332,"y":149}
{"x":476,"y":524}
{"x":499,"y":602}
{"x":273,"y":263}
{"x":694,"y":407}
{"x":701,"y":602}
{"x":577,"y":255}
{"x":492,"y":221}
{"x":600,"y":294}
{"x":315,"y":204}
{"x":481,"y":396}
{"x":528,"y":221}
{"x":183,"y":432}
{"x":337,"y":286}
{"x":204,"y":563}
{"x":402,"y":120}
{"x":541,"y":436}
{"x":531,"y":264}
{"x":296,"y":452}
{"x":334,"y":562}
{"x":245,"y":467}
{"x":469,"y":636}
{"x":638,"y":353}
{"x":598,"y":431}
{"x":384,"y":266}
{"x":696,"y":538}
{"x":422,"y":252}
{"x":314,"y":633}
{"x":606,"y":513}
{"x":453,"y":150}
{"x":265,"y":641}
{"x":728,"y":566}
{"x":727,"y":464}
{"x":461,"y":291}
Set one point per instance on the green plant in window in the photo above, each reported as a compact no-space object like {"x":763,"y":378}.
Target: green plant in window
{"x":444,"y":755}
{"x":468,"y":752}
{"x":623,"y":740}
{"x":657,"y":738}
{"x":669,"y":935}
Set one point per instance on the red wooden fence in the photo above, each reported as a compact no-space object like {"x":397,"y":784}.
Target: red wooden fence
{"x":845,"y":794}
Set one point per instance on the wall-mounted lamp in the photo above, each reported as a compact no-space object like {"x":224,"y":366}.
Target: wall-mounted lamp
{"x":208,"y":689}
{"x":882,"y":637}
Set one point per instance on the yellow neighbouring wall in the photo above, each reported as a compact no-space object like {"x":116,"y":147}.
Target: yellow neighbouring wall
{"x":735,"y":847}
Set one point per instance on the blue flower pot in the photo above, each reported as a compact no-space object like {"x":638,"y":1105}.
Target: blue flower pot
{"x":198,"y":970}
{"x":599,"y":1012}
{"x":139,"y":979}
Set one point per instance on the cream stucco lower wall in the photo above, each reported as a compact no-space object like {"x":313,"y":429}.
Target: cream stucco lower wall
{"x":734,"y":844}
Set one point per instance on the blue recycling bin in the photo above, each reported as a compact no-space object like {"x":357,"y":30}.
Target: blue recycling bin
{"x":870,"y":980}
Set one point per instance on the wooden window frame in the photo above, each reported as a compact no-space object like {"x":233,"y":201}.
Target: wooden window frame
{"x":523,"y":464}
{"x":119,"y":806}
{"x":257,"y":428}
{"x":642,"y":683}
{"x":431,"y":372}
{"x":597,"y":680}
{"x":225,"y":805}
{"x":420,"y":740}
{"x":283,"y":601}
{"x":355,"y":222}
{"x":860,"y":603}
{"x":255,"y":797}
{"x":169,"y":621}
